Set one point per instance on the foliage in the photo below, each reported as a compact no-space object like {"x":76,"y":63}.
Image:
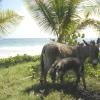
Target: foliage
{"x":17,"y":59}
{"x":8,"y":19}
{"x":62,"y":17}
{"x":13,"y":81}
{"x":93,"y":72}
{"x":72,"y":38}
{"x":16,"y":82}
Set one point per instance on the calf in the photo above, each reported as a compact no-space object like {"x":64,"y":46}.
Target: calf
{"x":61,"y":66}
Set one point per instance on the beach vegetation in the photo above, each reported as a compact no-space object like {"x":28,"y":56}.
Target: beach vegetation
{"x":64,"y":18}
{"x":17,"y":59}
{"x":21,"y":82}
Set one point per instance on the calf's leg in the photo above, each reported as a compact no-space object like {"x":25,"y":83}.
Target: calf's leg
{"x":83,"y":77}
{"x":61,"y":77}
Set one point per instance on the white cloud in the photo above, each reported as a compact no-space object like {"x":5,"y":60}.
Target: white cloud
{"x":90,"y":33}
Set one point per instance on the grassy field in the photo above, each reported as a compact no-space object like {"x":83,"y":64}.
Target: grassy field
{"x":20,"y":81}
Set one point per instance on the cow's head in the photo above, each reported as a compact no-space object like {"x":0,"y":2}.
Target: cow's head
{"x":93,"y":52}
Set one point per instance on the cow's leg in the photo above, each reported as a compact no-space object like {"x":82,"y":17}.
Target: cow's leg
{"x":53,"y":77}
{"x":83,"y":77}
{"x":42,"y":70}
{"x":61,"y":77}
{"x":78,"y":79}
{"x":53,"y":72}
{"x":45,"y":65}
{"x":78,"y":72}
{"x":43,"y":77}
{"x":84,"y":83}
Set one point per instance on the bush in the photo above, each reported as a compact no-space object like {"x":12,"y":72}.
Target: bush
{"x":17,"y":59}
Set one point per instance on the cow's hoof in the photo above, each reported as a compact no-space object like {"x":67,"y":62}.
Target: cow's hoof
{"x":41,"y":82}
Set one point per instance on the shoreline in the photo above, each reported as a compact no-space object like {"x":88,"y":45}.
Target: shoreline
{"x":6,"y":52}
{"x":4,"y":57}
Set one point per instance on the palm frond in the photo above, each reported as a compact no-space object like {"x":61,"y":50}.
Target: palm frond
{"x":90,"y":6}
{"x":61,"y":16}
{"x":90,"y":22}
{"x":42,"y":12}
{"x":8,"y":19}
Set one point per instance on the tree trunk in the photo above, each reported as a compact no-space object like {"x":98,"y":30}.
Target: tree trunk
{"x":60,"y":38}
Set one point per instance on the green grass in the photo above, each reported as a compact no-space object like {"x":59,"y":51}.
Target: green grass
{"x":13,"y":82}
{"x":21,"y":82}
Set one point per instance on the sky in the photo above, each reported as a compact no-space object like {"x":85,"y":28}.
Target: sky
{"x":28,"y":28}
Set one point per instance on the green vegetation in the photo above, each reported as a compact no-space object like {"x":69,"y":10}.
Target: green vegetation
{"x":8,"y":19}
{"x":17,"y":59}
{"x":14,"y":79}
{"x":19,"y":80}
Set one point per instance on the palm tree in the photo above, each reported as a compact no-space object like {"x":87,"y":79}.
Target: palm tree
{"x":60,"y":16}
{"x":8,"y":19}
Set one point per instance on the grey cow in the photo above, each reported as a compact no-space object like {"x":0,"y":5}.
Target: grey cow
{"x":53,"y":51}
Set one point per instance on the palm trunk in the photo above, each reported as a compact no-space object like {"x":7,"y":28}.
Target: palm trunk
{"x":60,"y":38}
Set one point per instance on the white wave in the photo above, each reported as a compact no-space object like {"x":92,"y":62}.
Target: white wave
{"x":6,"y":52}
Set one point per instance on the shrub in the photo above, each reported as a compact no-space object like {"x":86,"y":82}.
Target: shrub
{"x":17,"y":59}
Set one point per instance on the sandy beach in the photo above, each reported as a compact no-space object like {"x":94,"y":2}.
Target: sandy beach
{"x":6,"y":52}
{"x":10,"y":47}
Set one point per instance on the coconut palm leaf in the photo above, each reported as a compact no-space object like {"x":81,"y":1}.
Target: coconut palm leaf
{"x":59,"y":15}
{"x":54,"y":14}
{"x":92,"y":22}
{"x":8,"y":19}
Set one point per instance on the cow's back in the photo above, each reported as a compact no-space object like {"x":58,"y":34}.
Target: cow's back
{"x":59,"y":49}
{"x":54,"y":51}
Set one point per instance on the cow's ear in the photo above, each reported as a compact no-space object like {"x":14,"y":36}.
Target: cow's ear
{"x":98,"y":41}
{"x":98,"y":45}
{"x":92,"y":43}
{"x":85,"y":42}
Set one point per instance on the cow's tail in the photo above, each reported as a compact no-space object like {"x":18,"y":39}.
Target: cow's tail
{"x":42,"y":67}
{"x":42,"y":62}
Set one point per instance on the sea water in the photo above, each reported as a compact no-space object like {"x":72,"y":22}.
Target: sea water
{"x":19,"y":46}
{"x":14,"y":46}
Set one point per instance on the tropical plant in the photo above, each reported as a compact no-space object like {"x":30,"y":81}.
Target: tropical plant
{"x":18,"y":59}
{"x":8,"y":19}
{"x":60,"y":16}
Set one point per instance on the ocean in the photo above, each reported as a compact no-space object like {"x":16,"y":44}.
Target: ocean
{"x":10,"y":47}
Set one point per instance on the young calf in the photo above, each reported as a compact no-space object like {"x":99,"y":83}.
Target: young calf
{"x":63,"y":65}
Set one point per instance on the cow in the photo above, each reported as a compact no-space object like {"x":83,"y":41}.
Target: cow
{"x":54,"y":50}
{"x":63,"y":65}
